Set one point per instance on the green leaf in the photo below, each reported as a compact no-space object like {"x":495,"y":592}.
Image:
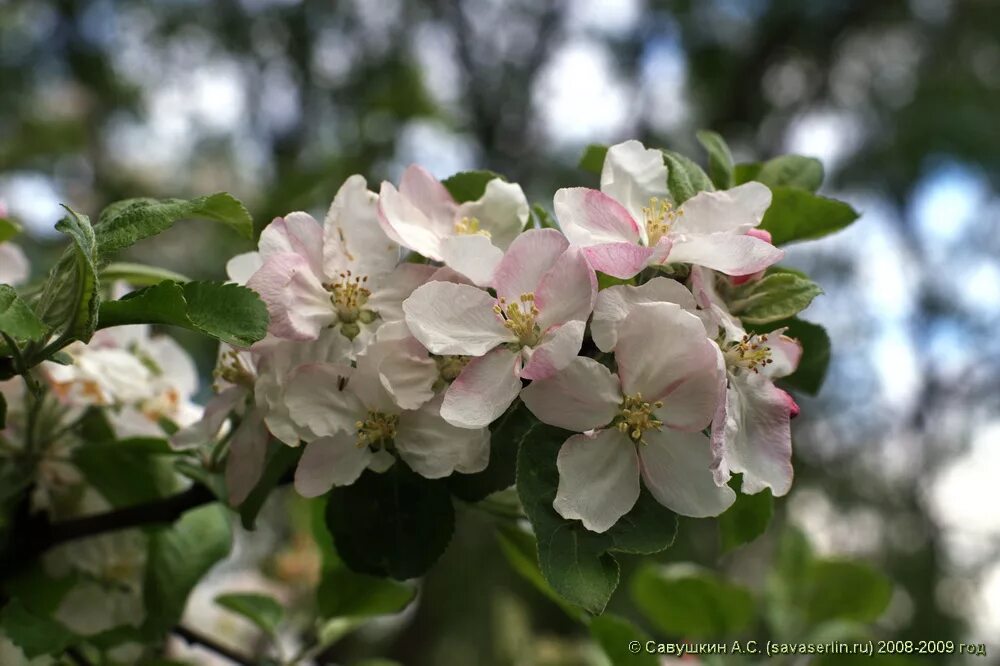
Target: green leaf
{"x":797,"y":215}
{"x":124,"y":223}
{"x":227,"y":312}
{"x":746,"y":519}
{"x":809,"y":376}
{"x":261,"y":609}
{"x":521,"y":551}
{"x":804,"y":173}
{"x":394,"y":524}
{"x":8,"y":229}
{"x":139,"y":275}
{"x":128,"y":471}
{"x":682,"y":599}
{"x":684,"y":177}
{"x":576,"y":562}
{"x":35,"y":634}
{"x":280,"y":459}
{"x":592,"y":159}
{"x":178,"y":558}
{"x":70,"y":298}
{"x":468,"y":185}
{"x":543,"y":217}
{"x":614,"y":634}
{"x":347,"y":594}
{"x":720,"y":160}
{"x":507,"y":433}
{"x":844,"y":590}
{"x":16,"y":318}
{"x":772,"y":298}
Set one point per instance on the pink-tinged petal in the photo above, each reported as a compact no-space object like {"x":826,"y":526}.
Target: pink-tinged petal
{"x":620,"y":260}
{"x":558,"y":348}
{"x":452,"y":318}
{"x":598,"y":479}
{"x":590,"y":217}
{"x":296,"y":301}
{"x":216,"y":412}
{"x":615,"y":303}
{"x":661,"y":251}
{"x":502,"y":211}
{"x":676,"y":467}
{"x":634,"y":174}
{"x":762,"y":234}
{"x":404,"y":223}
{"x":567,"y":291}
{"x":430,"y":197}
{"x":726,"y":253}
{"x":483,"y":391}
{"x":298,"y":233}
{"x":659,"y":347}
{"x":713,"y":311}
{"x":328,"y":462}
{"x":405,"y":370}
{"x":352,"y":237}
{"x":14,"y":267}
{"x":717,"y":435}
{"x":691,"y":404}
{"x":582,"y":396}
{"x":247,"y":454}
{"x":433,"y":448}
{"x":727,"y":211}
{"x":241,"y":267}
{"x":757,"y":435}
{"x":317,"y":401}
{"x":389,"y":292}
{"x":786,"y":353}
{"x":472,"y":255}
{"x":527,"y":259}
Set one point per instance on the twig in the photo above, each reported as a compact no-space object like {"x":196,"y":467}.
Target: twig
{"x":196,"y":638}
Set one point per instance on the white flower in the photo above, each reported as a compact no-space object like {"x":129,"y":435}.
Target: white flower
{"x":470,"y":237}
{"x":643,"y":422}
{"x":14,"y":267}
{"x":630,"y":222}
{"x":342,"y":274}
{"x":531,"y":329}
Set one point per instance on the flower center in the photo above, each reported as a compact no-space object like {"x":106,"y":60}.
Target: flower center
{"x":659,"y":217}
{"x":635,"y":417}
{"x":519,"y":318}
{"x":469,"y":226}
{"x":349,"y":295}
{"x":751,"y":353}
{"x":449,"y":367}
{"x":377,"y":429}
{"x":231,"y":369}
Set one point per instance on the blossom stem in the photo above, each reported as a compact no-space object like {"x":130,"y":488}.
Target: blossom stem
{"x":193,"y":637}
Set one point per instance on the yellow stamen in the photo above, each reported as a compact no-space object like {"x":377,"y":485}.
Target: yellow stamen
{"x":469,"y":226}
{"x":751,"y":353}
{"x":377,"y":429}
{"x":659,"y":217}
{"x":635,"y":417}
{"x":349,"y":294}
{"x":519,"y":318}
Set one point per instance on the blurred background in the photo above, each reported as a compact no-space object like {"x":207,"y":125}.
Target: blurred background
{"x":277,"y":101}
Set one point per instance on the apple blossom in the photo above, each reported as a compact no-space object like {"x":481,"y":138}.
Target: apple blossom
{"x":470,"y":237}
{"x":532,"y":328}
{"x":358,"y":425}
{"x":751,"y":431}
{"x":643,"y":422}
{"x":631,"y":223}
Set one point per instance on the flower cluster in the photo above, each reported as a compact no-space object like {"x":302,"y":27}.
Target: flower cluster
{"x":406,"y":323}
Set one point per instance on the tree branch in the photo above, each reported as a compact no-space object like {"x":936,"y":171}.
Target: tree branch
{"x":196,"y":638}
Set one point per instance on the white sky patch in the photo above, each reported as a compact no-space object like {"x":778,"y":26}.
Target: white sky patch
{"x":965,"y":497}
{"x":894,"y":358}
{"x":611,"y":17}
{"x":826,"y":134}
{"x":579,"y":97}
{"x":664,"y":80}
{"x":886,"y":272}
{"x":947,"y":200}
{"x":32,"y":199}
{"x":435,"y":148}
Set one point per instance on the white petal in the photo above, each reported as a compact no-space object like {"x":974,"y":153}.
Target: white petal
{"x":473,"y":255}
{"x":502,"y":211}
{"x":216,"y":412}
{"x":242,"y":266}
{"x":527,"y":259}
{"x":785,"y":354}
{"x":676,"y":467}
{"x":727,"y":253}
{"x":483,"y":391}
{"x":352,"y":237}
{"x":732,"y":211}
{"x":391,"y":290}
{"x":406,"y":224}
{"x":247,"y":454}
{"x":659,"y":346}
{"x":433,"y":448}
{"x":567,"y":291}
{"x":598,"y":479}
{"x":328,"y":462}
{"x":633,"y":174}
{"x":620,"y":260}
{"x":557,"y":349}
{"x":176,"y":368}
{"x":316,"y":401}
{"x":582,"y":396}
{"x":381,"y":461}
{"x":590,"y":217}
{"x":298,"y":304}
{"x":297,"y":233}
{"x":14,"y":267}
{"x":452,"y":318}
{"x":430,"y":197}
{"x":691,"y":403}
{"x":614,"y":304}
